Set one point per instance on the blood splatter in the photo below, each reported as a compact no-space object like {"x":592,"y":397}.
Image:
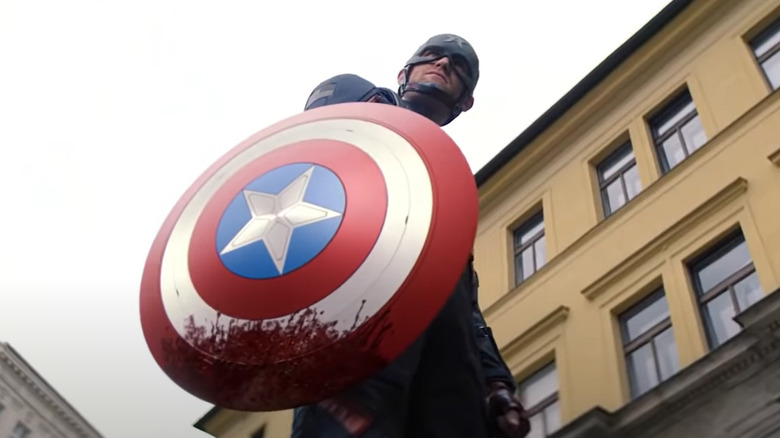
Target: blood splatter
{"x":260,"y":365}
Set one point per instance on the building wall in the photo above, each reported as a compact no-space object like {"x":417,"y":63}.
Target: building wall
{"x":596,"y":267}
{"x":26,"y":399}
{"x":225,"y":423}
{"x":731,"y":392}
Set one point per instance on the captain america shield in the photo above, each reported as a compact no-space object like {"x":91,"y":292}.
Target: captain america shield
{"x":308,"y":257}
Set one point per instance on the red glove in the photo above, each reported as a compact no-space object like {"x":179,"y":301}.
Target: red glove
{"x":507,"y":417}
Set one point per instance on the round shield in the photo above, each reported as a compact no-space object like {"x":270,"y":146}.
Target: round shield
{"x":308,"y":257}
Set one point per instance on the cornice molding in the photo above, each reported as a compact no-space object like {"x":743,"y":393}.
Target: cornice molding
{"x":548,"y":322}
{"x":647,"y":60}
{"x":56,"y":407}
{"x":755,"y":348}
{"x":752,"y":355}
{"x":722,"y":197}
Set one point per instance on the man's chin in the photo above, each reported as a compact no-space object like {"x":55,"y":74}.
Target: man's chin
{"x":438,"y":81}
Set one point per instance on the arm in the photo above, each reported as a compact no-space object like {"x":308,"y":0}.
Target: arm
{"x":507,"y":415}
{"x":493,"y":365}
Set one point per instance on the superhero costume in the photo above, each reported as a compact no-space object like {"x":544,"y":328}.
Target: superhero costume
{"x":437,"y":387}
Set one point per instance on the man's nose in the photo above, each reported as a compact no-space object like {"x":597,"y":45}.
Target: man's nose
{"x":443,"y":63}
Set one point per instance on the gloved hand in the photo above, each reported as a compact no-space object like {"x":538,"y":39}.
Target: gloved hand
{"x":505,"y":413}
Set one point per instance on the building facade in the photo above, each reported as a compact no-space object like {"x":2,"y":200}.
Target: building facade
{"x":619,"y":239}
{"x":628,"y":243}
{"x":30,"y":407}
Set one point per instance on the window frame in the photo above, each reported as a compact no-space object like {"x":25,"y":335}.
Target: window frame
{"x":625,"y":147}
{"x":765,"y":34}
{"x":714,"y":252}
{"x":546,"y":402}
{"x":672,"y":107}
{"x":24,"y":429}
{"x":517,"y":250}
{"x":647,"y":337}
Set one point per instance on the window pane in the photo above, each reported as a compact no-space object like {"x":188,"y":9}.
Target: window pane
{"x":719,"y":314}
{"x":768,"y":42}
{"x":529,"y":230}
{"x":693,"y":134}
{"x":633,"y":185}
{"x":748,"y":291}
{"x":724,"y":266}
{"x":552,"y":417}
{"x":537,"y":426}
{"x":528,"y":262}
{"x":772,"y":69}
{"x":638,"y":323}
{"x":540,"y":247}
{"x":615,"y":196}
{"x":519,"y":269}
{"x":665,"y":124}
{"x":641,"y":370}
{"x":20,"y":431}
{"x":539,"y":386}
{"x":673,"y":151}
{"x":616,"y":162}
{"x":666,"y":350}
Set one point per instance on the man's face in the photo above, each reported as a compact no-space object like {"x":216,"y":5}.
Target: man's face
{"x":442,"y":73}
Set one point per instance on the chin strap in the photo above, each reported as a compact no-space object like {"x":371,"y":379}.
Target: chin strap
{"x":432,"y":91}
{"x":418,"y":108}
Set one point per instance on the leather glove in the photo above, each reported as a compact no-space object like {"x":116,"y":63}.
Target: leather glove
{"x":506,"y":416}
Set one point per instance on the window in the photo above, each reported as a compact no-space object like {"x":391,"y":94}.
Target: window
{"x":530,"y":248}
{"x":20,"y":431}
{"x":766,"y":49}
{"x":539,"y":396}
{"x":677,"y":131}
{"x":618,"y":179}
{"x":648,"y":343}
{"x":726,"y":284}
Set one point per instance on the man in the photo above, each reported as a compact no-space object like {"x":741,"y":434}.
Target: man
{"x":452,"y":381}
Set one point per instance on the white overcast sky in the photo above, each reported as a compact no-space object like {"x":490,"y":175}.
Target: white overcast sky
{"x":110,"y":109}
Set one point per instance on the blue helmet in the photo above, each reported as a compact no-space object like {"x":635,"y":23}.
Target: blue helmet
{"x":460,"y":54}
{"x":348,"y":88}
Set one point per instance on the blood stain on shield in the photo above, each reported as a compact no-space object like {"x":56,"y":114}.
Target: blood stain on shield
{"x":243,"y":349}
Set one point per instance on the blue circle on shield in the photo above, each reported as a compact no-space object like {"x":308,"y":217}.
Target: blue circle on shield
{"x":280,"y":221}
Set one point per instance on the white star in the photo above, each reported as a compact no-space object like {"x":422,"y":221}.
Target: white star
{"x":274,"y":217}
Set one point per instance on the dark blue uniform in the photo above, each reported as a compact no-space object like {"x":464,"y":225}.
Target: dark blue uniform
{"x":437,"y":387}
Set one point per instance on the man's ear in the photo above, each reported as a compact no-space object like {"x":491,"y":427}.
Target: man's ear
{"x":467,"y":104}
{"x":400,"y":76}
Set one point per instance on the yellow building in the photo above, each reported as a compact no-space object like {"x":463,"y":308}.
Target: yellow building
{"x":629,"y":240}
